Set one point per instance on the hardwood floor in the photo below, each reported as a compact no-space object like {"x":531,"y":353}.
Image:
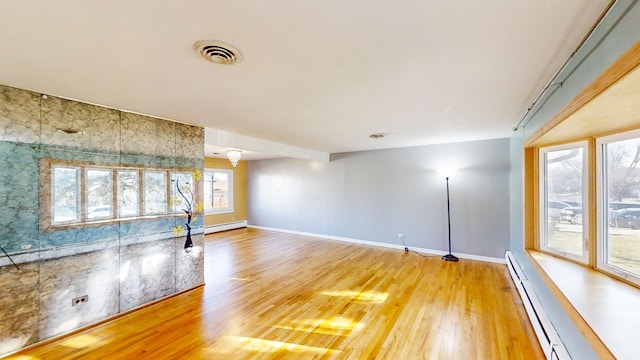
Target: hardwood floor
{"x":279,"y":296}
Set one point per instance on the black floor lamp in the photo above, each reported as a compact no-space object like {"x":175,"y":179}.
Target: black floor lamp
{"x":449,"y":256}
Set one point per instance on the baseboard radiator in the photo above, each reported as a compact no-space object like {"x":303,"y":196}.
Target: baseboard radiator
{"x":226,"y":226}
{"x":547,"y":336}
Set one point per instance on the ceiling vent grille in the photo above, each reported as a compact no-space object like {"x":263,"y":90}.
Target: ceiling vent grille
{"x":217,"y":52}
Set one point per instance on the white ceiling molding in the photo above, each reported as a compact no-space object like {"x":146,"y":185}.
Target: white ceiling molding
{"x":215,"y":137}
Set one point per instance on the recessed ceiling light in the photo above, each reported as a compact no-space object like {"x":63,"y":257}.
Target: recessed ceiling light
{"x":217,"y":52}
{"x":377,"y":136}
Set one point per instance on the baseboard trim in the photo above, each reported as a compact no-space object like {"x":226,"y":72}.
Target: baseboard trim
{"x":381,"y":244}
{"x":226,"y":226}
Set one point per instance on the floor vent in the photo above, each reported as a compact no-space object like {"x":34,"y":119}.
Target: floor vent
{"x":547,"y":336}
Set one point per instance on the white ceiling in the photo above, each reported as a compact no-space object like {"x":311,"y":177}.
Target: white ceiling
{"x":319,"y":75}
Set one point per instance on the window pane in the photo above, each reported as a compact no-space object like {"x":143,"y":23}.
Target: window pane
{"x":99,"y":190}
{"x":562,"y":202}
{"x":220,"y":190}
{"x":155,"y":192}
{"x":186,"y":186}
{"x":65,"y":188}
{"x":128,"y":199}
{"x":208,"y":190}
{"x":622,"y":248}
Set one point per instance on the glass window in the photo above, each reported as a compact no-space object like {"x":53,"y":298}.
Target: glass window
{"x":99,"y":188}
{"x":185,"y":182}
{"x":208,"y":191}
{"x":155,"y":192}
{"x":81,"y":192}
{"x":65,"y":186}
{"x":128,"y":196}
{"x":218,"y":191}
{"x":563,"y":185}
{"x":620,"y":204}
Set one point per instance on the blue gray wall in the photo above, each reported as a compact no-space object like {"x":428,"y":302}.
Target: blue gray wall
{"x":618,"y":32}
{"x":374,"y":195}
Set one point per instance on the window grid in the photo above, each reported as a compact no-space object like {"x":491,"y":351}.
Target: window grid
{"x":564,"y":192}
{"x":218,"y":191}
{"x":618,"y":204}
{"x":80,"y":193}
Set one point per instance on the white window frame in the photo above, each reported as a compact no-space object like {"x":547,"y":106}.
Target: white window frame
{"x":542,"y":200}
{"x":603,"y":210}
{"x":230,"y":191}
{"x":86,"y":202}
{"x":79,"y":174}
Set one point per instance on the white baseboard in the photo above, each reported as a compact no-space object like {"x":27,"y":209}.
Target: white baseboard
{"x":550,"y":342}
{"x":381,"y":244}
{"x":226,"y":226}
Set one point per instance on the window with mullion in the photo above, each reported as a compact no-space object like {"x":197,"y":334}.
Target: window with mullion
{"x":563,"y":196}
{"x":619,"y":204}
{"x":218,"y":191}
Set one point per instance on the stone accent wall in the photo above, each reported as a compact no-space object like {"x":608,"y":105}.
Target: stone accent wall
{"x":120,"y":264}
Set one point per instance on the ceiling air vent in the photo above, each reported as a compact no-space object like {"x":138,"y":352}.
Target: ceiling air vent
{"x":217,"y":52}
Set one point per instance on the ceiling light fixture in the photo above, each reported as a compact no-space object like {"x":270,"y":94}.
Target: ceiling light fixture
{"x":217,"y":52}
{"x":234,"y":156}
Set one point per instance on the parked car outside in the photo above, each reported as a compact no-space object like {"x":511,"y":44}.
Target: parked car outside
{"x":569,"y":214}
{"x":577,"y":219}
{"x":626,"y":218}
{"x":617,"y":205}
{"x":554,"y":209}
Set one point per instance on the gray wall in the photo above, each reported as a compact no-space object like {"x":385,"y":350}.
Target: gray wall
{"x":374,"y":195}
{"x":619,"y":31}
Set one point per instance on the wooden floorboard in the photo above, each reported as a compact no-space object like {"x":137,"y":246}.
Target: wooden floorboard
{"x":272,"y":295}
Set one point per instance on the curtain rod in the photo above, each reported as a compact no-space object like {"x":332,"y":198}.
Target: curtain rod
{"x":550,"y":83}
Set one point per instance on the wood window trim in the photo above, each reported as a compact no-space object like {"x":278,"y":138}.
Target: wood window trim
{"x":546,"y":265}
{"x":45,"y":190}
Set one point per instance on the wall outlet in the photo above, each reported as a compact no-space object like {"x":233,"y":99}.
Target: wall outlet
{"x":25,"y":246}
{"x":80,"y":300}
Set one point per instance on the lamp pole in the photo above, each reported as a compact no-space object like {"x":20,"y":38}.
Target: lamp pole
{"x":449,"y":256}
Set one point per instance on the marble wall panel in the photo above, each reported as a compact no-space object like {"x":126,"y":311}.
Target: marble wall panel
{"x":146,"y":135}
{"x":118,"y":265}
{"x":18,"y":196}
{"x":18,"y":306}
{"x":147,"y":160}
{"x":147,"y":272}
{"x":189,"y":265}
{"x":189,"y":142}
{"x":19,"y":115}
{"x":95,"y":274}
{"x":91,"y":234}
{"x":72,"y":154}
{"x":98,"y":128}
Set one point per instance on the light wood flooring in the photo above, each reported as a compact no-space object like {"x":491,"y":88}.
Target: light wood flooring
{"x":272,"y":295}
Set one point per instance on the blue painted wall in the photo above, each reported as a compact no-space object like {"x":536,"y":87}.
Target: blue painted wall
{"x":617,"y":33}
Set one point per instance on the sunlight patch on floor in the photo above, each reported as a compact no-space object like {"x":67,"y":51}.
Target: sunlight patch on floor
{"x":82,"y":341}
{"x":336,"y":325}
{"x":359,"y":296}
{"x":232,"y":344}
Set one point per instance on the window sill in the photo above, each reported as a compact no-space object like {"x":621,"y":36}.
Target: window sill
{"x":603,"y":308}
